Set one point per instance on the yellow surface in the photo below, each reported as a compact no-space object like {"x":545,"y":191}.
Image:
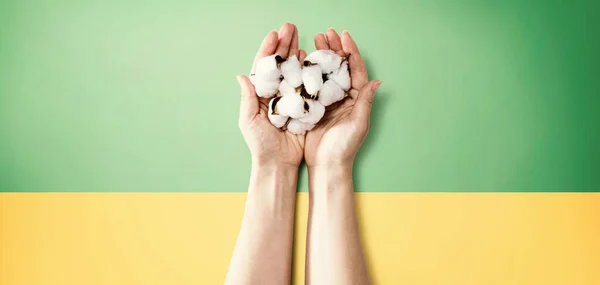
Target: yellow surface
{"x":410,"y":238}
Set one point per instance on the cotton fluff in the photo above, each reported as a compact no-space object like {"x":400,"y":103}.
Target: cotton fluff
{"x":292,"y":71}
{"x":297,"y":127}
{"x":312,"y":78}
{"x":327,"y":60}
{"x":314,"y":114}
{"x":331,"y":93}
{"x":291,"y":105}
{"x":303,"y":89}
{"x":267,"y":76}
{"x":277,"y":120}
{"x":286,"y":88}
{"x":264,"y":87}
{"x":268,"y":67}
{"x":341,"y":76}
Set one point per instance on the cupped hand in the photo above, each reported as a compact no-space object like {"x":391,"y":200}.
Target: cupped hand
{"x":269,"y":145}
{"x":338,"y":136}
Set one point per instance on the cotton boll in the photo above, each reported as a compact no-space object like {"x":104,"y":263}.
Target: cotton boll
{"x":341,"y":76}
{"x":285,"y":88}
{"x":297,"y":127}
{"x":277,"y":120}
{"x":315,"y":112}
{"x":292,"y":71}
{"x":291,"y":105}
{"x":312,"y":78}
{"x":331,"y":93}
{"x":328,"y":60}
{"x":268,"y":67}
{"x":265,"y":87}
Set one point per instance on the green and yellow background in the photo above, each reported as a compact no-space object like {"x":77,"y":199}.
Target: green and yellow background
{"x":121,"y":161}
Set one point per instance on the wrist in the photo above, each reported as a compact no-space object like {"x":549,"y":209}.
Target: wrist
{"x":331,"y":168}
{"x":275,"y":177}
{"x":271,"y":165}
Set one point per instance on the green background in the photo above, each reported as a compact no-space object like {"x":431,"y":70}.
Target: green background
{"x":141,"y":95}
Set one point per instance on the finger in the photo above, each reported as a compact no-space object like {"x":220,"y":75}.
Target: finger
{"x":321,"y":42}
{"x":364,"y":101}
{"x":301,"y":55}
{"x":267,"y":47}
{"x":335,"y":42}
{"x":285,"y":39}
{"x":294,"y":44}
{"x":249,"y":100}
{"x":358,"y":70}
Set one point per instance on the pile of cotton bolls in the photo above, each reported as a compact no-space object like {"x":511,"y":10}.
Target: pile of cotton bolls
{"x":301,"y":90}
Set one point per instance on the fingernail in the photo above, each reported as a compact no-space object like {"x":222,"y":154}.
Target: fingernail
{"x":376,"y":85}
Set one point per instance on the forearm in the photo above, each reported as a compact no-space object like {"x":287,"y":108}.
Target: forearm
{"x":263,"y":250}
{"x":334,"y":251}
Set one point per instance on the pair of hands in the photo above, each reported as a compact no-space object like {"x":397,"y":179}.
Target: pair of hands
{"x":340,"y":133}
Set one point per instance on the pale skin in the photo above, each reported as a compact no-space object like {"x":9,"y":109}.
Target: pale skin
{"x":334,"y":254}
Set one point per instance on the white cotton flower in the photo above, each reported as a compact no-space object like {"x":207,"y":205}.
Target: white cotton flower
{"x":341,"y":76}
{"x":268,"y":67}
{"x":285,"y":88}
{"x":330,"y":93}
{"x":328,"y":60}
{"x":253,"y":79}
{"x":303,"y":92}
{"x":277,"y":120}
{"x":292,"y":71}
{"x":291,"y":105}
{"x":313,"y":79}
{"x":315,"y":112}
{"x":298,"y":128}
{"x":265,"y":87}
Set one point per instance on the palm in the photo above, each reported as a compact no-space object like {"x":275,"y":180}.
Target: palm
{"x":266,"y":142}
{"x":285,"y":145}
{"x":326,"y":140}
{"x":335,"y":136}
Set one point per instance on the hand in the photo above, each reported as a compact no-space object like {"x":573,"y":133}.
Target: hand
{"x":340,"y":133}
{"x":268,"y":144}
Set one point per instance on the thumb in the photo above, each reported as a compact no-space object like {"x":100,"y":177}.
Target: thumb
{"x":249,"y":101}
{"x":364,"y":100}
